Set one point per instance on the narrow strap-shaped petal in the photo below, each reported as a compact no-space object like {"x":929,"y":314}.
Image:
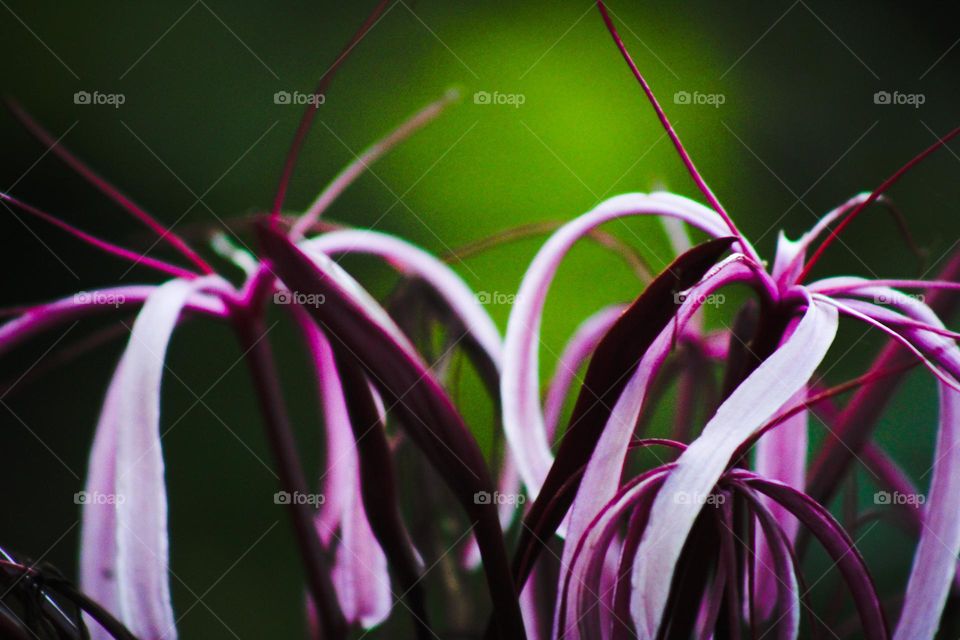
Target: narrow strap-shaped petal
{"x":602,"y":476}
{"x":835,"y":541}
{"x":462,"y":302}
{"x":612,"y":368}
{"x":38,"y":318}
{"x":756,"y":400}
{"x":855,"y":424}
{"x":780,"y":454}
{"x":909,"y":338}
{"x":580,"y":591}
{"x":412,"y":260}
{"x":574,"y":355}
{"x":935,"y":561}
{"x":778,"y":566}
{"x":125,"y":553}
{"x":361,"y":332}
{"x":98,"y":534}
{"x":523,"y":420}
{"x":360,"y":568}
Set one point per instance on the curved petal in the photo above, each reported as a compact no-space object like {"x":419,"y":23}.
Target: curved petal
{"x":574,"y":355}
{"x":580,"y":588}
{"x":363,"y":334}
{"x":42,"y":317}
{"x":756,"y":400}
{"x":611,"y":369}
{"x":360,"y":574}
{"x":935,"y":562}
{"x":835,"y":541}
{"x":780,"y":454}
{"x":602,"y":476}
{"x":124,"y":558}
{"x":523,"y":420}
{"x":410,"y":259}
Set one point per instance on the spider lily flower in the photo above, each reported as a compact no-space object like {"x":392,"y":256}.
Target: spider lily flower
{"x":647,"y":557}
{"x":351,"y":546}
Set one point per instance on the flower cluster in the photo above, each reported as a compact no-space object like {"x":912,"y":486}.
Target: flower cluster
{"x":707,"y":542}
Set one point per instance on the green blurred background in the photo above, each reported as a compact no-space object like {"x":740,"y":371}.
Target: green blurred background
{"x":199,"y":142}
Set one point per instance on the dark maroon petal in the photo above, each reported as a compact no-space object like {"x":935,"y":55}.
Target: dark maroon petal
{"x":615,"y":357}
{"x":379,"y":489}
{"x":835,"y":541}
{"x":360,"y":331}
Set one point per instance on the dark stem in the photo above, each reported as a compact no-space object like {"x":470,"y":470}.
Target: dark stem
{"x":251,"y":333}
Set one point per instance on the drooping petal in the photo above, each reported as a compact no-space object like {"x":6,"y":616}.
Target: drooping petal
{"x":749,"y":406}
{"x":775,"y":568}
{"x":935,"y":562}
{"x":574,"y":355}
{"x":412,"y":260}
{"x":36,"y":319}
{"x":835,"y":541}
{"x":125,"y":556}
{"x":477,"y":324}
{"x":362,"y":333}
{"x":360,"y":568}
{"x":613,"y":364}
{"x":580,"y":586}
{"x":780,"y":454}
{"x":523,"y":420}
{"x":855,"y":424}
{"x":604,"y":468}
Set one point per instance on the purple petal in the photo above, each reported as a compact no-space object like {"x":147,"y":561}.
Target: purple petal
{"x":412,"y":260}
{"x":42,"y":317}
{"x":602,"y":476}
{"x":835,"y":541}
{"x":461,"y":300}
{"x":574,"y":355}
{"x":362,"y":333}
{"x":360,"y":568}
{"x":854,"y":426}
{"x":777,"y":565}
{"x":756,"y":400}
{"x":580,"y":583}
{"x":124,"y":557}
{"x":780,"y":454}
{"x":614,"y":360}
{"x":935,"y":562}
{"x":523,"y":420}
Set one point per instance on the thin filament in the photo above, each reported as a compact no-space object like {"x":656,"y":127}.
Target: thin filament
{"x":311,"y":111}
{"x":886,"y":184}
{"x":103,"y":245}
{"x":106,"y":187}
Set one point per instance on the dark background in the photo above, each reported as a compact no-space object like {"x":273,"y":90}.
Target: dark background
{"x":199,"y":142}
